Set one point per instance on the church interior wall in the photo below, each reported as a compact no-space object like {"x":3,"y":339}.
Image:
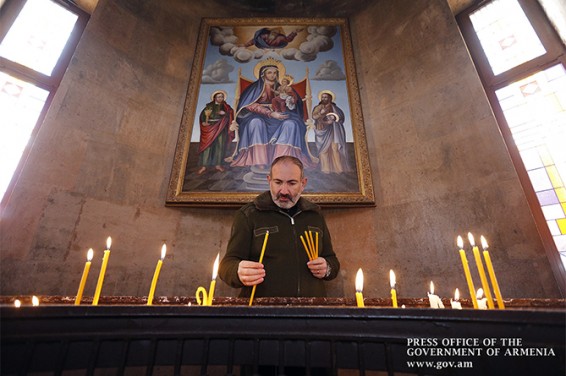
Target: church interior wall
{"x":101,"y":161}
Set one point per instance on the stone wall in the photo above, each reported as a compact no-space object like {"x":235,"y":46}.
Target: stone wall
{"x":101,"y":162}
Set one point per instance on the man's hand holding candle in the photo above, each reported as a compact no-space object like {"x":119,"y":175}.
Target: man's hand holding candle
{"x":318,"y":267}
{"x":250,"y":272}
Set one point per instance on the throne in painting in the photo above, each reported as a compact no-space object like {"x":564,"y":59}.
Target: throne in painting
{"x":256,"y":178}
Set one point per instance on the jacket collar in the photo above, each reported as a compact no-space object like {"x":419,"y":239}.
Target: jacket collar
{"x":264,"y":202}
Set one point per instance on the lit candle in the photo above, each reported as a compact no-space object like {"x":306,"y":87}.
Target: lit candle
{"x":455,"y":303}
{"x":17,"y":303}
{"x":213,"y":282}
{"x":491,"y":272}
{"x":392,"y":282}
{"x":481,"y":270}
{"x":359,"y":288}
{"x":156,"y":275}
{"x":467,"y":272}
{"x":34,"y":301}
{"x":434,"y":300}
{"x":102,"y":272}
{"x":481,"y":301}
{"x":260,"y":261}
{"x":89,"y":255}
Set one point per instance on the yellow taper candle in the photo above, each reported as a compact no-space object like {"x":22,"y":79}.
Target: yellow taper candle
{"x":491,"y":273}
{"x":102,"y":272}
{"x":260,"y":261}
{"x":481,"y":271}
{"x":156,"y":275}
{"x":392,"y":282}
{"x":359,"y":288}
{"x":467,"y":272}
{"x":89,"y":255}
{"x":213,"y":282}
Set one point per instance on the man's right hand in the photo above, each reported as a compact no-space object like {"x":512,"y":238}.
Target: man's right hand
{"x":250,"y":273}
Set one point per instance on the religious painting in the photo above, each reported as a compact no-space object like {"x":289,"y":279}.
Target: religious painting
{"x":262,"y":88}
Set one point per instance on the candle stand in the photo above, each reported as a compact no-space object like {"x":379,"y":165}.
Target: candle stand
{"x":123,"y":335}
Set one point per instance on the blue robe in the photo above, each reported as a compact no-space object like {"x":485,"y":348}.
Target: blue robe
{"x":257,"y":129}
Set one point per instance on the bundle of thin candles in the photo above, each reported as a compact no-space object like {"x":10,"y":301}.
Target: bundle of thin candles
{"x":311,"y":245}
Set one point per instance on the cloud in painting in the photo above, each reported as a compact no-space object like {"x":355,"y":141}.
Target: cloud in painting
{"x":329,"y":71}
{"x":217,"y":73}
{"x":319,"y":39}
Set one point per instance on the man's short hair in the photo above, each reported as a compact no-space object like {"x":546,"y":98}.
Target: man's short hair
{"x":288,"y":158}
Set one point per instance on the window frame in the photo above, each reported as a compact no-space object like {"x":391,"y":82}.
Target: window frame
{"x":555,"y":54}
{"x":10,"y":11}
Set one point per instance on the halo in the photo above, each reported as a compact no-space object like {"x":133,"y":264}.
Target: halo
{"x":269,"y":62}
{"x":217,"y":92}
{"x":329,"y":92}
{"x":335,"y":115}
{"x":288,"y":77}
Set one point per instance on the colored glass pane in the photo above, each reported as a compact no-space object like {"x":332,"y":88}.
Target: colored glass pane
{"x":547,"y":197}
{"x":561,"y":193}
{"x":506,"y":35}
{"x":540,"y":180}
{"x":554,"y":177}
{"x":38,"y":35}
{"x":20,"y":106}
{"x":553,"y":211}
{"x":531,"y":159}
{"x":562,"y":225}
{"x":553,"y":227}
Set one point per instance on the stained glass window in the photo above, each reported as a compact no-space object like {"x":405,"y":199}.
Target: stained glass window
{"x":506,"y":35}
{"x":38,"y":35}
{"x":35,"y":40}
{"x":534,"y":105}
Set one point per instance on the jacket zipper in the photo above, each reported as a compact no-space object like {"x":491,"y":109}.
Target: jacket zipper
{"x":296,"y":249}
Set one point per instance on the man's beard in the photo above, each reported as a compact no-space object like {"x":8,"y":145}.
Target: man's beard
{"x":286,"y":204}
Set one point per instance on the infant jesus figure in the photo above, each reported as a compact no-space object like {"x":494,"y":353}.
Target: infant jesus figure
{"x":284,"y":98}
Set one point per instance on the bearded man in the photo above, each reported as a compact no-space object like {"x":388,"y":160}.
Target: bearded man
{"x":330,"y":136}
{"x":287,"y":270}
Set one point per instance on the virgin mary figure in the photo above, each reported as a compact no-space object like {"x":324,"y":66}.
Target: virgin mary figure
{"x":265,"y":134}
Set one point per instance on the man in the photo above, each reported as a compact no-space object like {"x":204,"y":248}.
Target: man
{"x":266,"y":38}
{"x":286,"y":269}
{"x":215,"y":136}
{"x":330,"y":136}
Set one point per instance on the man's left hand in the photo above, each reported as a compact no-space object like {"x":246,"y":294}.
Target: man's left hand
{"x":318,"y":267}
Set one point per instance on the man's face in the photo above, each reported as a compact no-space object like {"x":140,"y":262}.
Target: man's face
{"x":271,"y":74}
{"x":285,"y":184}
{"x":219,"y":98}
{"x":325,"y":98}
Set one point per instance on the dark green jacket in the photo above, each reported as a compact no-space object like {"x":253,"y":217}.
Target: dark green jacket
{"x":285,"y":259}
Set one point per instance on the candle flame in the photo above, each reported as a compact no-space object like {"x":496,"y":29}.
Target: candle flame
{"x":35,"y":301}
{"x":431,"y":288}
{"x":108,"y":242}
{"x":479,"y":294}
{"x":163,"y":251}
{"x":359,"y":280}
{"x":215,"y":267}
{"x":483,"y":242}
{"x":17,"y":303}
{"x":89,"y":254}
{"x":471,"y":239}
{"x":460,"y":242}
{"x":456,"y":295}
{"x":392,"y":278}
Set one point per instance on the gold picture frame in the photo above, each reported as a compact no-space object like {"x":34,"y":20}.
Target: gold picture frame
{"x":237,"y":117}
